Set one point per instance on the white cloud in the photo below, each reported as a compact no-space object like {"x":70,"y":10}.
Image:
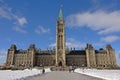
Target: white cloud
{"x":3,"y":54}
{"x":19,"y":24}
{"x":19,"y":21}
{"x":102,"y":21}
{"x":98,"y":44}
{"x":118,"y":52}
{"x":19,"y":29}
{"x":52,"y":45}
{"x":3,"y":51}
{"x":118,"y":57}
{"x":22,"y":21}
{"x":4,"y":12}
{"x":110,"y":38}
{"x":72,"y":43}
{"x":2,"y":57}
{"x":40,"y":30}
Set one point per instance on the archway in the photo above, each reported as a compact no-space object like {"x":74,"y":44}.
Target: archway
{"x":60,"y":63}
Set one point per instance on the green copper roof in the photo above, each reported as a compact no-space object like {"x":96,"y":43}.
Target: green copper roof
{"x":60,"y":14}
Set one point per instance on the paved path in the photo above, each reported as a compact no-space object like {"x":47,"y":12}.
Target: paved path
{"x":62,"y":75}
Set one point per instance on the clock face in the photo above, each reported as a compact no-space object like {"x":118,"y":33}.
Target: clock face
{"x":61,"y":22}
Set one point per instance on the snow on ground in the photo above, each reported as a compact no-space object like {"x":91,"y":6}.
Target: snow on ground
{"x":19,"y":74}
{"x":104,"y":74}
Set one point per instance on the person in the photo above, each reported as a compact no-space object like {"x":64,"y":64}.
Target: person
{"x":51,"y":69}
{"x":73,"y":68}
{"x":70,"y":68}
{"x":43,"y":71}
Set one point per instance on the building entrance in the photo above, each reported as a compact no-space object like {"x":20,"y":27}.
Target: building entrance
{"x":60,"y":63}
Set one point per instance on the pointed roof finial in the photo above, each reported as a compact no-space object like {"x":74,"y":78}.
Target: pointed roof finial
{"x":60,"y":13}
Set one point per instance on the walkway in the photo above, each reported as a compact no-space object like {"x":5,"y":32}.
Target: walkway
{"x":63,"y":75}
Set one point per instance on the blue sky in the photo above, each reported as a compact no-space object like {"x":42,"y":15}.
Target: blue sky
{"x":25,"y":22}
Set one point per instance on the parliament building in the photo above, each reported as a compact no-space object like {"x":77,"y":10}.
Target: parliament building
{"x":60,"y":56}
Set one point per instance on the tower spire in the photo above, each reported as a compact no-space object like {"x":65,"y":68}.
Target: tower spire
{"x":60,"y":41}
{"x":60,"y":13}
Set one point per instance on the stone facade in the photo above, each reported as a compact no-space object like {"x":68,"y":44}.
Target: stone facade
{"x":60,"y":56}
{"x":103,"y":58}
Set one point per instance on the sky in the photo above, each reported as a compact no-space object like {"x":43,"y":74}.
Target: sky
{"x":25,"y":22}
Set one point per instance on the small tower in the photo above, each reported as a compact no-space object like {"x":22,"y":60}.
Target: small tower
{"x":111,"y":56}
{"x":60,"y":40}
{"x":90,"y":56}
{"x":31,"y":55}
{"x":10,"y":55}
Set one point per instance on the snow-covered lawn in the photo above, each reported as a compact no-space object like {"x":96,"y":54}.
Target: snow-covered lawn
{"x":19,"y":74}
{"x":104,"y":74}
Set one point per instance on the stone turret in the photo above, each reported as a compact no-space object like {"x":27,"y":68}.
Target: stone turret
{"x":32,"y":46}
{"x":31,"y":53}
{"x":89,"y":46}
{"x":90,"y":56}
{"x":10,"y":55}
{"x":13,"y":47}
{"x":111,"y":56}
